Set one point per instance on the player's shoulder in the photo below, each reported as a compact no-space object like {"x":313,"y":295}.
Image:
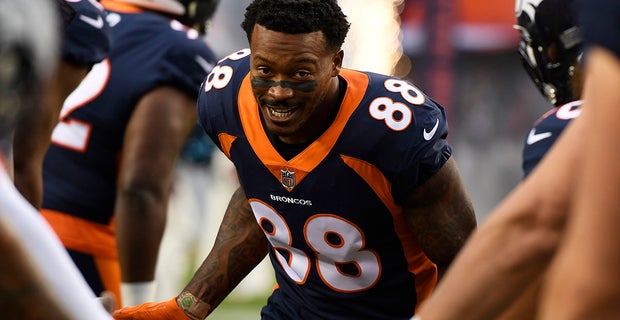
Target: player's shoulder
{"x":395,"y":104}
{"x":397,"y":90}
{"x":89,"y":7}
{"x":560,"y":116}
{"x":220,"y":90}
{"x":393,"y":118}
{"x":228,"y":74}
{"x":88,"y":37}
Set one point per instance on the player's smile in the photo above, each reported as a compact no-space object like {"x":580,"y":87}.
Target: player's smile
{"x":280,"y":114}
{"x":294,"y":80}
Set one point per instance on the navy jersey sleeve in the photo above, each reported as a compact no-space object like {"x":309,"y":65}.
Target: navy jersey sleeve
{"x":218,"y":94}
{"x":420,"y":150}
{"x":545,"y":132}
{"x":600,"y":20}
{"x":403,"y":131}
{"x":87,"y":39}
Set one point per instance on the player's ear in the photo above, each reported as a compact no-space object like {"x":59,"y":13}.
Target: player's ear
{"x":337,"y":62}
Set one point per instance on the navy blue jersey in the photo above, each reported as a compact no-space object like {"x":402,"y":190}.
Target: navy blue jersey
{"x":149,"y":51}
{"x":546,"y":131}
{"x":600,"y":23}
{"x":339,"y":243}
{"x":87,"y":37}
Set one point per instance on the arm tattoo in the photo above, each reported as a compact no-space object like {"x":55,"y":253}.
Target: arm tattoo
{"x":240,"y":245}
{"x":442,"y":215}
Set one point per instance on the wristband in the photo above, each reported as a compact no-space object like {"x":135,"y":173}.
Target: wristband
{"x":193,"y":308}
{"x":135,"y":293}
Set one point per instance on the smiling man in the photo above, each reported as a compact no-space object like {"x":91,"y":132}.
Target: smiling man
{"x":347,"y":180}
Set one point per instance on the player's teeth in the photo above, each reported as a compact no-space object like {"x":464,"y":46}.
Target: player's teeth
{"x":277,"y":113}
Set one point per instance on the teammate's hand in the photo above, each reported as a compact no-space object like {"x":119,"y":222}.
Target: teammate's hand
{"x":167,"y":310}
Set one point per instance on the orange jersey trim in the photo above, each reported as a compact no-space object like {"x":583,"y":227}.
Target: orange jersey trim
{"x":226,"y":142}
{"x":82,"y":235}
{"x":419,"y":264}
{"x":120,"y":6}
{"x":307,"y":160}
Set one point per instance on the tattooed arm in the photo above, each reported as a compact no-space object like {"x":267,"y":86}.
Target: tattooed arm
{"x":441,"y":215}
{"x":239,"y":246}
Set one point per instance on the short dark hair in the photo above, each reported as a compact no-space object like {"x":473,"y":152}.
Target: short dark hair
{"x":298,"y":16}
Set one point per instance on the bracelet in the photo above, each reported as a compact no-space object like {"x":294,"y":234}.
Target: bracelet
{"x":193,"y":308}
{"x":135,"y":293}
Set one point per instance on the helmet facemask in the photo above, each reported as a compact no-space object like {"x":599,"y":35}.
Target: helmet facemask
{"x":549,"y":48}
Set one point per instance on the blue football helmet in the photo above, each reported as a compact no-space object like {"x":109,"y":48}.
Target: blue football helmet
{"x":198,"y":13}
{"x":550,"y":46}
{"x":192,"y":13}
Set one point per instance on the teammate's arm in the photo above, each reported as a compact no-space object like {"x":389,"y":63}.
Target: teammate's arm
{"x":441,"y":215}
{"x":583,"y":280}
{"x":509,"y":252}
{"x":155,"y":133}
{"x":21,"y":284}
{"x":33,"y":133}
{"x":239,"y":247}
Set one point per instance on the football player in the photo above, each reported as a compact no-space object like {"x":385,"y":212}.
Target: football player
{"x":551,"y":48}
{"x":347,"y":180}
{"x":199,"y":184}
{"x":38,"y":280}
{"x":86,"y":40}
{"x":108,"y":171}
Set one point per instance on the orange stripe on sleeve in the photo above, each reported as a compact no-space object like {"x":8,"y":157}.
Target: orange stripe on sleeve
{"x":226,"y":142}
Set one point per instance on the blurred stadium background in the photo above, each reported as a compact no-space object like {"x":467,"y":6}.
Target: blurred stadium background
{"x":460,"y":52}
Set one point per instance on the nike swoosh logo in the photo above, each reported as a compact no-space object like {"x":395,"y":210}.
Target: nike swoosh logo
{"x":534,"y":137}
{"x":204,"y":63}
{"x":429,"y":135}
{"x":97,"y":23}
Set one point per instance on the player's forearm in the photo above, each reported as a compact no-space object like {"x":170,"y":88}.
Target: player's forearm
{"x":240,"y":245}
{"x":140,"y":221}
{"x":29,"y":182}
{"x":31,"y":141}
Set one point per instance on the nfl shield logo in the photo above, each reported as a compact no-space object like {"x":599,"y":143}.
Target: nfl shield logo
{"x":287,"y":178}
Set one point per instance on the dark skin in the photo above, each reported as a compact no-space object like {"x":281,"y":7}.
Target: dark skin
{"x":440,"y":209}
{"x":21,"y":284}
{"x":295,"y":58}
{"x":158,"y":127}
{"x":34,"y":130}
